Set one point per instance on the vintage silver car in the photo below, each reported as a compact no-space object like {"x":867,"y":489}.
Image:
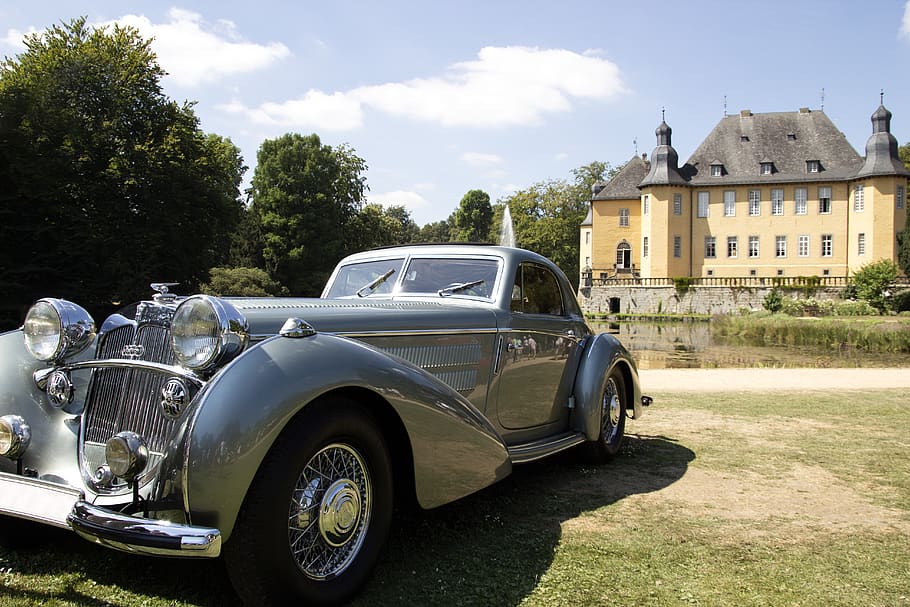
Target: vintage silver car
{"x":277,"y":431}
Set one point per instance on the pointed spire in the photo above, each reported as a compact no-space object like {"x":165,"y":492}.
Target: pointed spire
{"x":881,"y":148}
{"x":664,"y":159}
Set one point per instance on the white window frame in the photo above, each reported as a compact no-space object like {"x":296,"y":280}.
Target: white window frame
{"x":717,"y":170}
{"x":861,"y":244}
{"x":677,"y":204}
{"x":899,"y":197}
{"x":645,"y":204}
{"x":677,"y":245}
{"x":859,"y":198}
{"x":754,"y":247}
{"x":732,"y":247}
{"x":754,"y":203}
{"x":777,"y":201}
{"x":766,"y":168}
{"x":645,"y":246}
{"x":624,"y":218}
{"x":704,"y":204}
{"x":710,"y":247}
{"x":813,"y":166}
{"x":827,"y":245}
{"x":801,"y":201}
{"x":802,"y":245}
{"x":730,"y":203}
{"x":780,"y":246}
{"x":824,"y":200}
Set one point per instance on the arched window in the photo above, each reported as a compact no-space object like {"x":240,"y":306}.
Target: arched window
{"x":623,"y":256}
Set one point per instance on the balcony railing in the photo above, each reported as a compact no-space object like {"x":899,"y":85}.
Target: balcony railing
{"x":630,"y":277}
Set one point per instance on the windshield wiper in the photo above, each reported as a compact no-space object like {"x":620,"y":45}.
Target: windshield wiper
{"x":369,"y":288}
{"x":459,"y":287}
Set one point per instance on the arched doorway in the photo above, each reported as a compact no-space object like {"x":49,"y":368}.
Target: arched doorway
{"x":623,"y":257}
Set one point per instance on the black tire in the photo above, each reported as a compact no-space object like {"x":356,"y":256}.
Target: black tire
{"x":613,"y":403}
{"x":316,"y":517}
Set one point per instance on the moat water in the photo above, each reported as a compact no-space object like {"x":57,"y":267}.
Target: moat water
{"x":690,"y":345}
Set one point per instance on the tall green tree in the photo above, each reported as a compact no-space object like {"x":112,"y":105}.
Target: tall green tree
{"x":547,"y":215}
{"x":474,"y":217}
{"x":438,"y":231}
{"x":105,"y":184}
{"x":376,"y":226}
{"x":306,"y":196}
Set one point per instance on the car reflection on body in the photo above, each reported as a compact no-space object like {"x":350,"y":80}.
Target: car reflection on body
{"x":276,"y":431}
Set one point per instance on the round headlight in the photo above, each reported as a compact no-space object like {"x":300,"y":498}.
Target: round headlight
{"x":55,"y":329}
{"x":15,"y":436}
{"x":207,"y":332}
{"x":126,"y":454}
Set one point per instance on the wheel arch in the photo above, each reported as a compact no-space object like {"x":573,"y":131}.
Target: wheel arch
{"x":601,"y":356}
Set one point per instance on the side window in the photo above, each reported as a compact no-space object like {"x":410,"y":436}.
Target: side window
{"x":536,"y":291}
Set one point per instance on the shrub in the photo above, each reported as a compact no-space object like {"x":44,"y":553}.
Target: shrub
{"x":873,"y":281}
{"x":773,"y":301}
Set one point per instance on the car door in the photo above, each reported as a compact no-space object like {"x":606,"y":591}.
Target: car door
{"x":539,"y":352}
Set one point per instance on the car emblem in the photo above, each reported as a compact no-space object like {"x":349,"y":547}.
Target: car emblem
{"x":132,"y":351}
{"x":174,"y":397}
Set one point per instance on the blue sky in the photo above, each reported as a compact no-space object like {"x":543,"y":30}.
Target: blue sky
{"x":443,"y":97}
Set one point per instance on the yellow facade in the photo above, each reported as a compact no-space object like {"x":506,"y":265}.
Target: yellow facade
{"x":768,"y":226}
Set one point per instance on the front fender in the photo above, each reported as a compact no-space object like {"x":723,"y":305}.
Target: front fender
{"x":247,"y":405}
{"x":602,"y":354}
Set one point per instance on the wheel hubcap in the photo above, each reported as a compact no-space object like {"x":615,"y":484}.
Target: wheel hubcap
{"x":340,"y":512}
{"x":612,"y":410}
{"x":330,"y":510}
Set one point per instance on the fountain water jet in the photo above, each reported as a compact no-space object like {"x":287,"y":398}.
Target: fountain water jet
{"x":507,"y":232}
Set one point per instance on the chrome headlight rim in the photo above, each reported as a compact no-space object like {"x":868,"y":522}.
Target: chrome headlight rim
{"x":207,"y":332}
{"x":127,"y":455}
{"x":15,"y":436}
{"x":56,"y":329}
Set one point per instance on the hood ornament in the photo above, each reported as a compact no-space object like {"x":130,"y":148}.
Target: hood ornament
{"x":163,"y":294}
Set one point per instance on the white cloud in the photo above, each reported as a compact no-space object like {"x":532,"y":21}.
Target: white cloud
{"x":904,"y":31}
{"x":412,"y":201}
{"x":194,"y":52}
{"x":314,"y":110}
{"x":504,"y":86}
{"x":15,"y":39}
{"x":479,"y":159}
{"x":561,"y":156}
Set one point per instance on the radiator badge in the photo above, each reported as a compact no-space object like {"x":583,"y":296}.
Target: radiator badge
{"x":132,"y":351}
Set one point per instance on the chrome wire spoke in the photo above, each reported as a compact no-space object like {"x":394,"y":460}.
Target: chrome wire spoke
{"x":329,"y":511}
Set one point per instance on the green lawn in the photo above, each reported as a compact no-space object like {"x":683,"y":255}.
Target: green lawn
{"x":717,"y":499}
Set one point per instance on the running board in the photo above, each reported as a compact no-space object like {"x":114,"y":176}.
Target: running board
{"x":528,"y":452}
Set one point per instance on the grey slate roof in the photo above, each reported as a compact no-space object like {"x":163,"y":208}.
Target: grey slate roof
{"x":786,"y":139}
{"x":881,"y":149}
{"x":624,"y":185}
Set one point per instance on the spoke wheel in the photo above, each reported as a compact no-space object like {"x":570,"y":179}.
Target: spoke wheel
{"x":317,"y":514}
{"x":330,"y":511}
{"x":613,"y":403}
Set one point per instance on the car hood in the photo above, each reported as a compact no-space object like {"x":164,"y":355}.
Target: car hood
{"x":349,"y":316}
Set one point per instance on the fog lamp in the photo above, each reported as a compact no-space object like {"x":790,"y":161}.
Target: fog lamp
{"x":15,"y":436}
{"x":60,"y":389}
{"x":127,"y":455}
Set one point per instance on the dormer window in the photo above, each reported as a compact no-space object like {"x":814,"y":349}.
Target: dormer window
{"x":766,"y":168}
{"x":717,"y":170}
{"x":813,"y":166}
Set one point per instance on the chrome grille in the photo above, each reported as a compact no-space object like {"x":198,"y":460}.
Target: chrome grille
{"x":128,"y":399}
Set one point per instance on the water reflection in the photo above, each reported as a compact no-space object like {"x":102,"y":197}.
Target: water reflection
{"x":690,"y":345}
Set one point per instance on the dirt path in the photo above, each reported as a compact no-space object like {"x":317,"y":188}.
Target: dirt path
{"x":770,"y":380}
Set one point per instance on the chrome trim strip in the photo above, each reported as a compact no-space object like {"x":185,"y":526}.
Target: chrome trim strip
{"x":529,"y":452}
{"x":37,"y":500}
{"x":41,"y":376}
{"x":142,"y":535}
{"x":419,"y":332}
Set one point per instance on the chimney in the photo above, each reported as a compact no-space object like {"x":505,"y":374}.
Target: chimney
{"x":745,"y":113}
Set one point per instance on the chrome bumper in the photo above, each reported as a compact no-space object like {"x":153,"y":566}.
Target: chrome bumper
{"x":65,"y":507}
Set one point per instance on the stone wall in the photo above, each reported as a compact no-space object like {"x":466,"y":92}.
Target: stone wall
{"x":714,"y":299}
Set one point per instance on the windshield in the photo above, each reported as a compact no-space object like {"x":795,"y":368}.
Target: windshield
{"x":366,"y":278}
{"x":451,"y":276}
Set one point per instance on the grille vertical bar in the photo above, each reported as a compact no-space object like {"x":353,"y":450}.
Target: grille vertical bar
{"x":128,"y":399}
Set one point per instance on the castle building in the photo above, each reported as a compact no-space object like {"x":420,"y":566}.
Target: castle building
{"x":764,"y":195}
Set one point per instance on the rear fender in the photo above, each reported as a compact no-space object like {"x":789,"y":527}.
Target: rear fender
{"x":245,"y":407}
{"x":602,"y":354}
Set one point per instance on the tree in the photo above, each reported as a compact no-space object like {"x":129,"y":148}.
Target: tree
{"x":873,"y":283}
{"x":474,"y":217}
{"x":306,"y":196}
{"x":437,"y":231}
{"x":903,"y":238}
{"x":375,"y":226}
{"x":105,"y":184}
{"x":241,"y":282}
{"x":546,"y":215}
